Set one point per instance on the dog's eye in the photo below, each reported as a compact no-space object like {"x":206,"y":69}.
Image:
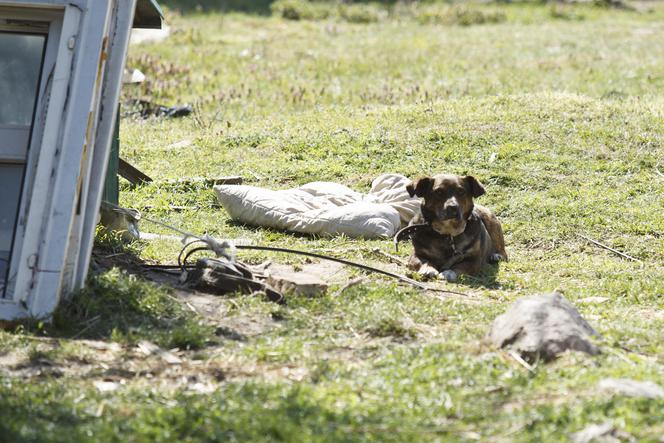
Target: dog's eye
{"x":461,"y":192}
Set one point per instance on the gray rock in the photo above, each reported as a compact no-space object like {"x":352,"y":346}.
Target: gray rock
{"x":542,"y":326}
{"x":631,"y":388}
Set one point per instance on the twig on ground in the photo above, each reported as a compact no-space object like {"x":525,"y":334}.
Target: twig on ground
{"x":117,"y":254}
{"x":657,"y":171}
{"x":89,"y":324}
{"x":179,"y":300}
{"x":620,"y":356}
{"x":257,"y":176}
{"x":392,"y":258}
{"x":615,"y":251}
{"x":350,"y":284}
{"x":520,"y":360}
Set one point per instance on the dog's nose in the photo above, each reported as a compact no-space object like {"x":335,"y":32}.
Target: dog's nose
{"x":451,"y":211}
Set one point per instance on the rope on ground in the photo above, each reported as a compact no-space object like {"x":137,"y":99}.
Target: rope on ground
{"x":219,"y":248}
{"x":400,"y":277}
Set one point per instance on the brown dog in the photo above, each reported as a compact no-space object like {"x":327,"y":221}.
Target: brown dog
{"x":459,"y":236}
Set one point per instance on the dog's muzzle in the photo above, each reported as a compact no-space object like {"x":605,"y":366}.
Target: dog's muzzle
{"x":451,"y":212}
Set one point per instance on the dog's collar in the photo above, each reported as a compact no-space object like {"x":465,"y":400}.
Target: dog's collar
{"x":430,"y":226}
{"x":455,"y":252}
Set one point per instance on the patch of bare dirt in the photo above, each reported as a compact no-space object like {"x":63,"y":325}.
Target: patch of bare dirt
{"x":109,"y":366}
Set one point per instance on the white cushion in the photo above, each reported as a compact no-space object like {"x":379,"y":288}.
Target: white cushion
{"x":325,"y":208}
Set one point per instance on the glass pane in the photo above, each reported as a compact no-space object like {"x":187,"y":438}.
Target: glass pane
{"x":20,"y":64}
{"x":11,"y":177}
{"x":20,"y":69}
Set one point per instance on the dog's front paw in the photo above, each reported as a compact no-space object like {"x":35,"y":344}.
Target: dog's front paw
{"x":449,"y":275}
{"x":495,"y":258}
{"x":428,"y":272}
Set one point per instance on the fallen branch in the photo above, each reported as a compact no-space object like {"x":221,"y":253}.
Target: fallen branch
{"x":609,"y":248}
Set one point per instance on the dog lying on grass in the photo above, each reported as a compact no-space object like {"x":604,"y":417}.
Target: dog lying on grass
{"x":452,"y":235}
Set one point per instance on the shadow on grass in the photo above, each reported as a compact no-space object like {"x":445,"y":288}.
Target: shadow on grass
{"x":487,"y":279}
{"x":257,"y":412}
{"x":118,"y":304}
{"x":33,"y":413}
{"x":257,"y":7}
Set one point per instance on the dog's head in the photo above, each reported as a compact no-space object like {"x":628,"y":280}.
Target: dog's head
{"x":447,"y":200}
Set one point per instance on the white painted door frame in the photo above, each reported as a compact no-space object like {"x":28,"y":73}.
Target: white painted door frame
{"x":69,"y":151}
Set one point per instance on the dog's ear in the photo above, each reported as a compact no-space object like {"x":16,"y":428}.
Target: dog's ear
{"x":420,"y":187}
{"x":476,"y":188}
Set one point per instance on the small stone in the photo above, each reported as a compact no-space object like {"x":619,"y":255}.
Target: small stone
{"x":299,"y":283}
{"x":632,"y":388}
{"x":542,"y":326}
{"x":605,"y":433}
{"x":106,"y":386}
{"x":202,"y":388}
{"x":180,"y":144}
{"x":149,"y":348}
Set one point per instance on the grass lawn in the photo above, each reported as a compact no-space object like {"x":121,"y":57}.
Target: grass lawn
{"x":557,"y":110}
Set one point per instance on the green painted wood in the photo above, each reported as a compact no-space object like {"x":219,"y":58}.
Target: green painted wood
{"x":148,"y":14}
{"x":112,"y":184}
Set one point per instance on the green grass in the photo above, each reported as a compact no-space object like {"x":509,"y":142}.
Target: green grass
{"x":558,"y":110}
{"x":124,"y":308}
